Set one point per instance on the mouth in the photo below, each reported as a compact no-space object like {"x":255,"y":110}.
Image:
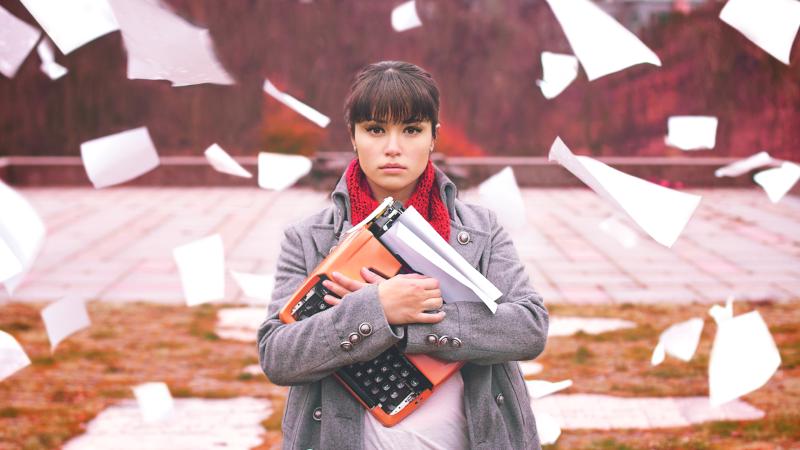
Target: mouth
{"x":392,"y":166}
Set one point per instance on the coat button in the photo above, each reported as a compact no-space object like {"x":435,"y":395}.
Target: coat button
{"x":432,"y":339}
{"x":443,"y":341}
{"x":463,"y":238}
{"x":365,"y":329}
{"x":500,"y":399}
{"x":317,"y":414}
{"x":346,"y":346}
{"x":455,"y":342}
{"x":354,"y":338}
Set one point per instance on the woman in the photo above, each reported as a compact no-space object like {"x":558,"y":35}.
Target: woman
{"x":392,"y":113}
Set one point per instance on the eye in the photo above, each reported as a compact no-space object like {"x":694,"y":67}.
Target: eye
{"x":413,"y":130}
{"x":374,"y":129}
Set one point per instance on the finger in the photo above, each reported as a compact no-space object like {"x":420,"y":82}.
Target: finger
{"x":336,"y":288}
{"x":347,"y":282}
{"x":370,"y":276}
{"x":430,"y":317}
{"x":429,"y":283}
{"x":331,"y":300}
{"x":432,"y":303}
{"x":431,"y":293}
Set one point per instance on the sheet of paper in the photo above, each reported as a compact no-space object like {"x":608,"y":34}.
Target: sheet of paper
{"x":778,"y":181}
{"x":541,"y":388}
{"x":622,"y":233}
{"x":163,"y":46}
{"x":155,"y":401}
{"x":770,"y":24}
{"x":119,"y":157}
{"x":12,"y":356}
{"x":744,"y":166}
{"x":679,"y":340}
{"x":530,"y":368}
{"x":296,"y":105}
{"x":201,"y":265}
{"x":422,"y":229}
{"x":386,"y":202}
{"x":558,"y":72}
{"x":602,"y":45}
{"x":22,"y":233}
{"x":548,"y":428}
{"x":743,"y":358}
{"x":720,"y":313}
{"x":661,"y":212}
{"x":691,"y":132}
{"x":63,"y":318}
{"x":17,"y":39}
{"x":74,"y":23}
{"x":277,"y":171}
{"x":501,"y":194}
{"x":49,"y":65}
{"x":221,"y":161}
{"x":255,"y":286}
{"x":405,"y":17}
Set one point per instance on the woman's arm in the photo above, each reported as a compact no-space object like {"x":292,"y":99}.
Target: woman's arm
{"x":311,"y":349}
{"x":516,"y":332}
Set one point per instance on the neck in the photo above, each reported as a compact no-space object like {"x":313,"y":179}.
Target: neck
{"x":402,"y":195}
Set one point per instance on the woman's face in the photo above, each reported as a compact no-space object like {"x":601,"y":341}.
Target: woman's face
{"x":393,"y":155}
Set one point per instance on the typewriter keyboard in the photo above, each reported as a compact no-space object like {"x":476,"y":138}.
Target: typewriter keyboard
{"x":389,"y":380}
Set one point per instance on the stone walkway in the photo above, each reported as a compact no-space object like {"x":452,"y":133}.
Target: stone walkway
{"x":116,"y":244}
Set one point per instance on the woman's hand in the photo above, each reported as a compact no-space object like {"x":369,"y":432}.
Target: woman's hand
{"x":342,"y":285}
{"x":405,"y":298}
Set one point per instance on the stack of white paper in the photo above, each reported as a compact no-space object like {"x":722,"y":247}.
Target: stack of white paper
{"x":22,"y":233}
{"x":163,"y":46}
{"x":558,"y":72}
{"x":73,"y":23}
{"x":548,"y":428}
{"x":770,"y":24}
{"x":155,"y":401}
{"x":602,"y":45}
{"x":17,"y":39}
{"x":422,"y":248}
{"x":691,"y":132}
{"x":405,"y":17}
{"x":679,"y":340}
{"x":661,"y":212}
{"x":221,"y":161}
{"x":201,"y":265}
{"x":63,"y":318}
{"x":49,"y":65}
{"x":277,"y":171}
{"x":120,"y":157}
{"x":255,"y":286}
{"x":743,"y":166}
{"x":778,"y":181}
{"x":296,"y":105}
{"x":501,"y":194}
{"x":622,"y":233}
{"x":12,"y":356}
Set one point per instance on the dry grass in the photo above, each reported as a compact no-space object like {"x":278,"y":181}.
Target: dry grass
{"x":49,"y":402}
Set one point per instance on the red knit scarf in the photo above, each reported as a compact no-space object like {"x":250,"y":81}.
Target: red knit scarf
{"x":425,"y":198}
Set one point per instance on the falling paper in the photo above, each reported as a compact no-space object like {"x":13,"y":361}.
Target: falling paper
{"x":743,"y":166}
{"x":155,"y":401}
{"x":63,"y":318}
{"x":405,"y":17}
{"x":258,"y":287}
{"x":74,"y":23}
{"x":17,"y":39}
{"x":679,"y":340}
{"x":661,"y":212}
{"x":299,"y":107}
{"x":49,"y":65}
{"x":530,"y":368}
{"x":202,"y":268}
{"x":743,"y":358}
{"x":501,"y":194}
{"x":223,"y":162}
{"x":278,"y":171}
{"x":691,"y":132}
{"x":720,"y":313}
{"x":541,"y":388}
{"x":602,"y":45}
{"x":119,"y":157}
{"x":547,"y":428}
{"x":22,"y":233}
{"x":770,"y":24}
{"x":164,"y":46}
{"x":622,"y":233}
{"x":12,"y":356}
{"x":558,"y":72}
{"x":778,"y":181}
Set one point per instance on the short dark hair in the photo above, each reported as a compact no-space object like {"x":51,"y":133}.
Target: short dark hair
{"x":392,"y":91}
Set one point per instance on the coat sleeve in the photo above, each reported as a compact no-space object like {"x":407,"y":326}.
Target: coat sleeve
{"x":517,"y":331}
{"x":309,"y":350}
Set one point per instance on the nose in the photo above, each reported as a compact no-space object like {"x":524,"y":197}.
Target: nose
{"x":393,"y":144}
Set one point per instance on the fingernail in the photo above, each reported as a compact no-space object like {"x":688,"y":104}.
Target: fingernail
{"x":337,"y":274}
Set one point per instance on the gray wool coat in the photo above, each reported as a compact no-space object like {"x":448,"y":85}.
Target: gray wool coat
{"x":321,"y":414}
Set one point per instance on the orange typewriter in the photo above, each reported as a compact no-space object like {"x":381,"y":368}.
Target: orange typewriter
{"x":394,"y":384}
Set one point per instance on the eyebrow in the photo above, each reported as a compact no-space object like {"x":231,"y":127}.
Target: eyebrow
{"x":405,"y":122}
